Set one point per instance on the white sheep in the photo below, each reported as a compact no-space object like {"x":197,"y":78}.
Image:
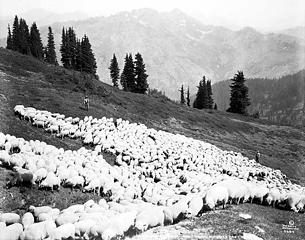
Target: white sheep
{"x":64,"y":231}
{"x":195,"y":206}
{"x":11,"y":232}
{"x":38,"y":231}
{"x":293,"y":198}
{"x":51,"y":181}
{"x":82,"y":227}
{"x":65,"y":218}
{"x":27,"y":220}
{"x":214,"y":195}
{"x":9,"y":218}
{"x":38,"y":210}
{"x":150,"y":217}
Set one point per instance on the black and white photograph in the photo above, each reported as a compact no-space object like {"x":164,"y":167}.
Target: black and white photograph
{"x":152,"y":119}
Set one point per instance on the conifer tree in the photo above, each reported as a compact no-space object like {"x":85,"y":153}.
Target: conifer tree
{"x":36,"y":46}
{"x":188,"y":100}
{"x":239,"y":100}
{"x":88,"y":61}
{"x":123,"y":80}
{"x":15,"y":35}
{"x":140,"y":75}
{"x":182,"y":99}
{"x":50,"y":54}
{"x":128,"y":75}
{"x":24,"y":37}
{"x":9,"y":40}
{"x":201,"y":100}
{"x":198,"y":100}
{"x":209,"y":94}
{"x":64,"y":49}
{"x":114,"y":71}
{"x":79,"y":56}
{"x":71,"y":47}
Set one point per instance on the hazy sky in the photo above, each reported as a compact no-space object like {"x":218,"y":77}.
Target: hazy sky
{"x":261,"y":14}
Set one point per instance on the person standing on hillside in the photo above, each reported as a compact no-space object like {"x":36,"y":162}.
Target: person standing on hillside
{"x":86,"y":102}
{"x":257,"y":156}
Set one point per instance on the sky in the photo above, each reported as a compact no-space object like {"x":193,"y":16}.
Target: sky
{"x":264,"y":15}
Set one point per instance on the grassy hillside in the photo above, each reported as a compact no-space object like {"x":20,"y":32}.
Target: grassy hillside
{"x":24,"y":80}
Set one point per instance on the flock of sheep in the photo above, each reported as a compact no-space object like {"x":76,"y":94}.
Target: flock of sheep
{"x":158,"y":178}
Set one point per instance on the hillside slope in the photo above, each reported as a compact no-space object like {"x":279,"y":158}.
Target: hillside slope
{"x":178,"y":49}
{"x":278,"y":100}
{"x":24,"y":80}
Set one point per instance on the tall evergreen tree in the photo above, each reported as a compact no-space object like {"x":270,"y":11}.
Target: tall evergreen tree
{"x":140,"y":75}
{"x":9,"y":40}
{"x":114,"y":71}
{"x":50,"y":54}
{"x":88,"y":61}
{"x":24,"y":37}
{"x":71,"y":47}
{"x":123,"y":79}
{"x":64,"y":49}
{"x":205,"y":94}
{"x":79,"y":56}
{"x":128,"y":75}
{"x":182,"y":99}
{"x":209,"y":94}
{"x":188,"y":100}
{"x":201,"y":100}
{"x":36,"y":46}
{"x":239,"y":100}
{"x":15,"y":35}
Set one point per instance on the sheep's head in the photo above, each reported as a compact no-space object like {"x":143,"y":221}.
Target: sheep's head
{"x":31,"y":208}
{"x":141,"y":226}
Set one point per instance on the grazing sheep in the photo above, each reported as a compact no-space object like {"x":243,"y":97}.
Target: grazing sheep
{"x":65,"y":218}
{"x":11,"y":232}
{"x":64,"y":231}
{"x":300,"y":205}
{"x":27,"y":220}
{"x":195,"y":206}
{"x":51,"y":181}
{"x":274,"y":197}
{"x":150,"y":217}
{"x":9,"y":218}
{"x":293,"y":198}
{"x":214,"y":195}
{"x":38,"y":210}
{"x":82,"y":227}
{"x":38,"y":231}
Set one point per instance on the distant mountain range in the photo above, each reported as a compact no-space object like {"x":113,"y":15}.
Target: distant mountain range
{"x":40,"y":16}
{"x":278,"y":100}
{"x":179,"y":49}
{"x":298,"y":32}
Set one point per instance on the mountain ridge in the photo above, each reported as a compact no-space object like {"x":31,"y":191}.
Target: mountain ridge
{"x":179,"y":49}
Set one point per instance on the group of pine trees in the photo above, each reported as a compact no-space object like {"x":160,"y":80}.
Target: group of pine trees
{"x":239,"y":100}
{"x":28,"y":42}
{"x":204,"y":94}
{"x":77,"y":54}
{"x":133,"y":77}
